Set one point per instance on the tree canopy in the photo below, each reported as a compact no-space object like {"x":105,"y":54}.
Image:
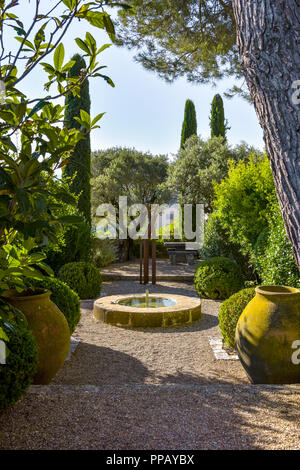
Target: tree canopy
{"x":126,"y":172}
{"x":199,"y":165}
{"x":177,"y":38}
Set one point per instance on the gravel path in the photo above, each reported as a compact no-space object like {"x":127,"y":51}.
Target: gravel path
{"x":152,"y":389}
{"x":112,"y":355}
{"x":165,"y":271}
{"x":153,"y":417}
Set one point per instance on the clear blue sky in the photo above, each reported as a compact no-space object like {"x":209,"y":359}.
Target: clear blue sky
{"x":143,"y":111}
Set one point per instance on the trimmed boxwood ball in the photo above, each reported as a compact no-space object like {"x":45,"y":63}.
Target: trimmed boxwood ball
{"x":218,"y":278}
{"x":230,"y":312}
{"x":84,"y":278}
{"x":21,"y":360}
{"x":64,"y":297}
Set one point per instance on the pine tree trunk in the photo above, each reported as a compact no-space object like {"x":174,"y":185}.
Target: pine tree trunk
{"x":268,"y":38}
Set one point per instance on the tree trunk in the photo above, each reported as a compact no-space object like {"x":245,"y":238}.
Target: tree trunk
{"x":268,"y":38}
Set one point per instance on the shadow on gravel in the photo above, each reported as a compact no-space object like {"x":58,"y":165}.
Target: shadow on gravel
{"x":134,"y":287}
{"x":153,"y":417}
{"x":96,"y":365}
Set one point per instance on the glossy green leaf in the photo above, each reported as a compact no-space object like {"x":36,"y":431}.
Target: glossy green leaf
{"x":59,"y":55}
{"x":80,"y":43}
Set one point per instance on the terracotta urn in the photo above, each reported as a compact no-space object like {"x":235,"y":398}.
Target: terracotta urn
{"x":49,"y":328}
{"x":268,"y":336}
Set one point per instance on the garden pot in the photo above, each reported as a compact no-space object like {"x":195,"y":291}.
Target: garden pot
{"x":266,"y":336}
{"x":48,"y":326}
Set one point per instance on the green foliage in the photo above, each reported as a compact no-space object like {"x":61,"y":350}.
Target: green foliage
{"x":260,"y":247}
{"x":276,"y":264}
{"x":83,"y":278}
{"x":103,"y":252}
{"x":217,"y":244}
{"x":72,"y":246}
{"x":126,"y":172}
{"x":21,"y":357}
{"x":177,"y":38}
{"x":217,"y":117}
{"x":218,"y":278}
{"x":243,"y":201}
{"x":189,"y":125}
{"x":27,"y":211}
{"x":230,"y":312}
{"x":79,"y":166}
{"x":24,"y":187}
{"x":10,"y":314}
{"x":64,"y":297}
{"x":44,"y":145}
{"x":199,"y":165}
{"x":161,"y":249}
{"x":18,"y":262}
{"x":250,"y":283}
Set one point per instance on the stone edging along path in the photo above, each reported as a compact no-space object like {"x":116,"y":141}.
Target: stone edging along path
{"x":220,"y":353}
{"x":73,"y":345}
{"x":249,"y":388}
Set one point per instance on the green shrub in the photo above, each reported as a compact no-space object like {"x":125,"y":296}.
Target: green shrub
{"x":243,"y":201}
{"x":275,"y":260}
{"x":64,"y":297}
{"x":260,"y":248}
{"x":103,"y":252}
{"x":83,"y":278}
{"x":21,"y":357}
{"x":218,"y":278}
{"x":230,"y":312}
{"x":217,"y":243}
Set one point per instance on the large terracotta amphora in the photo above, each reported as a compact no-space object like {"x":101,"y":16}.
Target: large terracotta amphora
{"x":49,"y":327}
{"x":268,"y":336}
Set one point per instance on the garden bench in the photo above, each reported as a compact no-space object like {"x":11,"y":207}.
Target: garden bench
{"x":178,"y":252}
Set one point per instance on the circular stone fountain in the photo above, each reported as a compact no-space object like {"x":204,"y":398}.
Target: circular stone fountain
{"x":161,"y":310}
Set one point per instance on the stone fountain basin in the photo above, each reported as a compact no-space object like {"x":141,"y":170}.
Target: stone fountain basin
{"x":185,"y":311}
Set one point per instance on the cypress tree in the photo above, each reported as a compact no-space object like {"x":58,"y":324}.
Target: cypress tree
{"x":80,"y":161}
{"x":189,"y":126}
{"x":217,"y":118}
